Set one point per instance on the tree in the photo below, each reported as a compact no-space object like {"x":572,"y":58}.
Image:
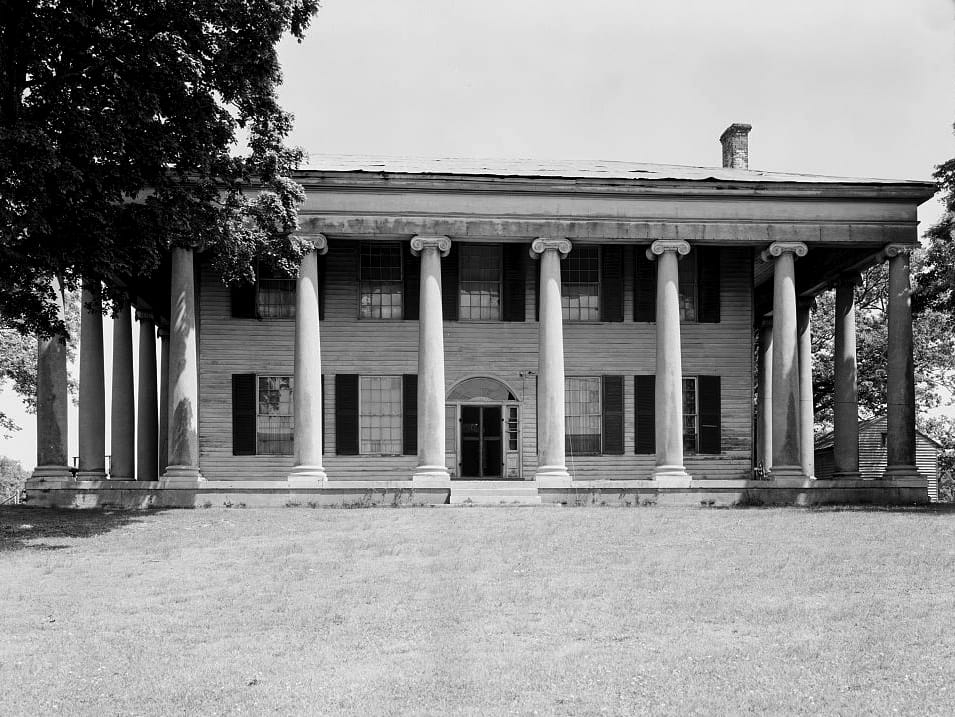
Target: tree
{"x":12,"y":477}
{"x":118,"y":140}
{"x":936,"y":280}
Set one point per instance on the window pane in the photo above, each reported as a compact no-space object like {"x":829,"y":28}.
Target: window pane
{"x":479,"y":282}
{"x":379,"y":423}
{"x":580,"y":284}
{"x":688,"y":290}
{"x":690,"y":416}
{"x":381,"y":281}
{"x":582,"y":415}
{"x":275,"y":423}
{"x":275,"y":295}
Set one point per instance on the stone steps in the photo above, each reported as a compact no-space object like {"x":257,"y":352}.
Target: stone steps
{"x":485,"y":492}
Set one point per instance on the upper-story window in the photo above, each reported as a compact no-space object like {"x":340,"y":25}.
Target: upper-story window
{"x":479,"y":283}
{"x":275,"y":295}
{"x":689,"y":288}
{"x":580,"y":284}
{"x":380,"y":280}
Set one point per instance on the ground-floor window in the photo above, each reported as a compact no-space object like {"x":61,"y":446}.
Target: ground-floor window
{"x":379,"y":415}
{"x":582,"y":415}
{"x":275,"y":419}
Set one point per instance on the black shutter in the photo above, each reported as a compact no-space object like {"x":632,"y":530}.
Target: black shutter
{"x":644,"y":401}
{"x":612,"y":415}
{"x":710,"y":432}
{"x":512,"y":293}
{"x":409,"y":414}
{"x":644,"y":288}
{"x":321,"y":285}
{"x":611,"y":283}
{"x":346,"y":414}
{"x":243,"y":301}
{"x":243,"y":414}
{"x":708,"y":275}
{"x":449,"y":284}
{"x":412,"y":279}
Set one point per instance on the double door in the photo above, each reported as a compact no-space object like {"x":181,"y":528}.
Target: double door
{"x":482,"y":445}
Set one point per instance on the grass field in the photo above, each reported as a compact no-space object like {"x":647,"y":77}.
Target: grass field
{"x":477,"y":611}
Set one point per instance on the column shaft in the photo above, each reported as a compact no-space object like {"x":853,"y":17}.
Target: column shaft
{"x":900,"y":431}
{"x":147,"y":421}
{"x":431,"y":390}
{"x":183,"y":371}
{"x":163,"y":400}
{"x":123,"y":412}
{"x":669,"y":379}
{"x":92,"y":413}
{"x":845,"y":394}
{"x":807,"y":419}
{"x":307,"y":389}
{"x":764,"y":368}
{"x":52,"y":402}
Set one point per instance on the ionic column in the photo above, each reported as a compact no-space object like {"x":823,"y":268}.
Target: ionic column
{"x":431,"y":394}
{"x":669,"y":379}
{"x":163,"y":332}
{"x":92,"y":413}
{"x":900,"y":389}
{"x":147,"y":418}
{"x":551,"y":460}
{"x":845,"y":399}
{"x":307,"y":386}
{"x":787,"y":458}
{"x":807,"y":418}
{"x":123,"y":413}
{"x":764,"y":406}
{"x":52,"y":402}
{"x":183,"y":372}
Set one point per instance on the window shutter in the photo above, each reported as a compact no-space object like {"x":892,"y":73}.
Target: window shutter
{"x":512,"y":293}
{"x":321,"y":286}
{"x":644,"y":401}
{"x":710,"y":418}
{"x":243,"y":301}
{"x":708,"y":275}
{"x":644,"y":288}
{"x":612,"y":415}
{"x":243,"y":414}
{"x":611,"y":283}
{"x":409,"y":417}
{"x":346,"y":414}
{"x":412,"y":283}
{"x":449,"y":284}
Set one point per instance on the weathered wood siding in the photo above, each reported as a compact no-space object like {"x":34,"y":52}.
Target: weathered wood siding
{"x":506,"y":351}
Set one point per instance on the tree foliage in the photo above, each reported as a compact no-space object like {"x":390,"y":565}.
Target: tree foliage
{"x":118,"y":129}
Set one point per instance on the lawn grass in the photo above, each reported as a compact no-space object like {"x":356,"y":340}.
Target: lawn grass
{"x":477,"y":611}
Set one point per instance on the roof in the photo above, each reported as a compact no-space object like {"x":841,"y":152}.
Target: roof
{"x":568,"y":168}
{"x":827,"y":440}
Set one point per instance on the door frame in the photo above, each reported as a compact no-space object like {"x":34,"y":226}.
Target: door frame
{"x":505,"y":437}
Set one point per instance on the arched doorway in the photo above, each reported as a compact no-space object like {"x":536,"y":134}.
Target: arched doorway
{"x":483,"y":440}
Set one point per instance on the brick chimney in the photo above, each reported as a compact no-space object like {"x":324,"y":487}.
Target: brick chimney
{"x":735,"y":141}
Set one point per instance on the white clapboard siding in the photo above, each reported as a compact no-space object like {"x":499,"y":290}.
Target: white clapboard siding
{"x":506,"y":351}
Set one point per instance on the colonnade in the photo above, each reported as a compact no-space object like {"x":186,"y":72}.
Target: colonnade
{"x":166,"y":426}
{"x":785,"y":441}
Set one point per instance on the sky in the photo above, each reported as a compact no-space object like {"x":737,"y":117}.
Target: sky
{"x":856,"y":88}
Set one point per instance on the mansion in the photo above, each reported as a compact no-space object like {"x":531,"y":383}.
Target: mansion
{"x":506,"y":331}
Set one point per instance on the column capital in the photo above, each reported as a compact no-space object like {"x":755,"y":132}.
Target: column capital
{"x":143,"y":315}
{"x":421,"y":242}
{"x":681,"y":247}
{"x":778,"y":248}
{"x":542,"y":244}
{"x":319,"y":242}
{"x":893,"y":250}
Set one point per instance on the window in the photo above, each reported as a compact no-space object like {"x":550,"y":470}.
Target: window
{"x":379,"y":421}
{"x":380,"y":280}
{"x":691,"y":416}
{"x":275,"y":295}
{"x":582,"y":415}
{"x":479,"y":283}
{"x":688,"y":288}
{"x":512,"y":428}
{"x":275,"y":421}
{"x":580,"y":284}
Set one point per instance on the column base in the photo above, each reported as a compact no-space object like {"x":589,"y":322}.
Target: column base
{"x":52,"y":474}
{"x":789,"y":472}
{"x":91,"y":475}
{"x":182,"y":475}
{"x":897,"y":472}
{"x":119,"y":477}
{"x":847,"y":475}
{"x":307,"y":475}
{"x":430,"y":474}
{"x":671,"y":477}
{"x":551,"y":473}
